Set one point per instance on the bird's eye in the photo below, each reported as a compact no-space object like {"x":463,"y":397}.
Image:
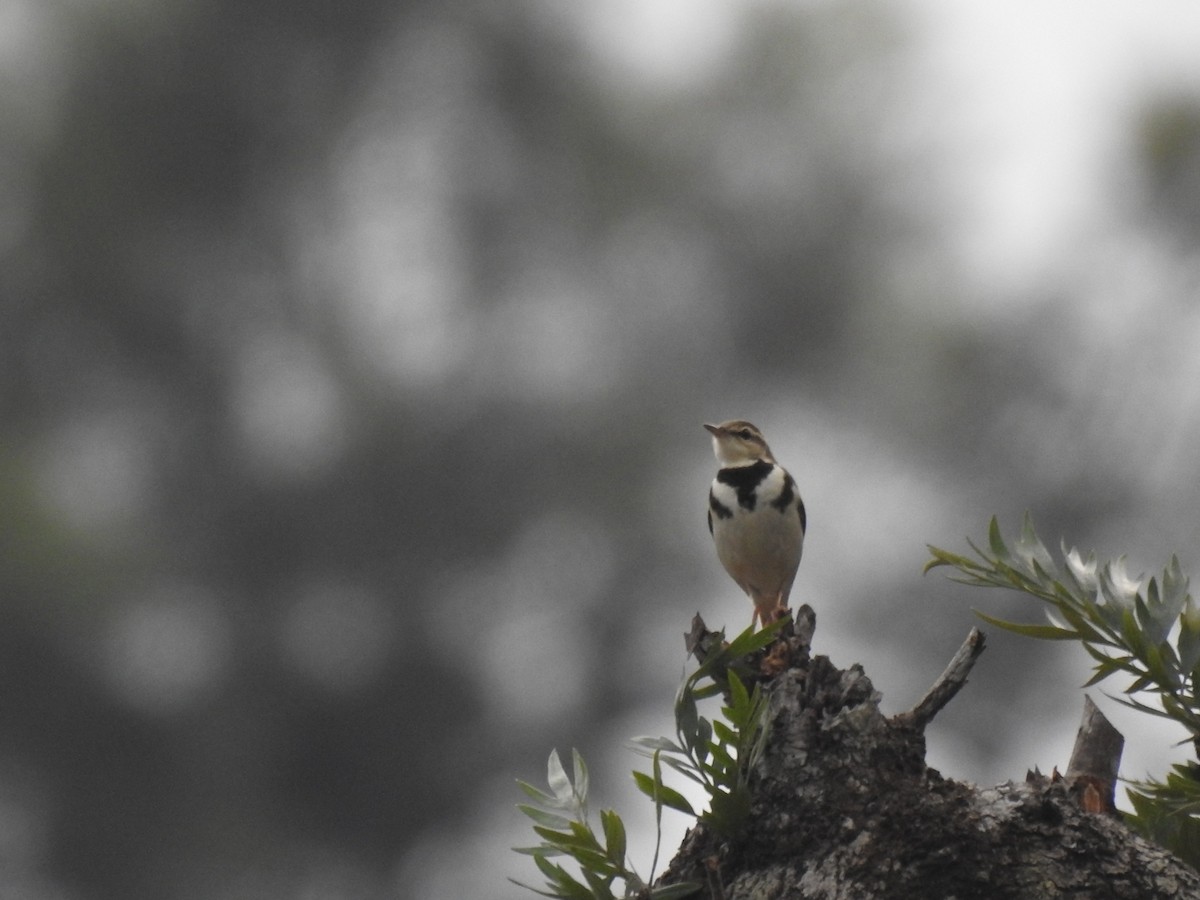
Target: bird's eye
{"x":744,"y":434}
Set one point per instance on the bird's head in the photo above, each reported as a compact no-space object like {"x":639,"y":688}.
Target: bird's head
{"x":738,"y":443}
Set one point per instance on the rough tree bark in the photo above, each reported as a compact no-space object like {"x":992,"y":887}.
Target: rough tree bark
{"x":845,"y":807}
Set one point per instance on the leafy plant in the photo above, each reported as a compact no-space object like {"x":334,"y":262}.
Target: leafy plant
{"x":719,"y":755}
{"x":1150,"y":633}
{"x":561,"y":821}
{"x":1166,"y":811}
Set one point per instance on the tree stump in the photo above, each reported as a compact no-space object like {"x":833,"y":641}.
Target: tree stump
{"x":845,"y":808}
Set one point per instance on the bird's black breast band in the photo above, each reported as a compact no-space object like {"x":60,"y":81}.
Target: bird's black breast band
{"x":744,"y":480}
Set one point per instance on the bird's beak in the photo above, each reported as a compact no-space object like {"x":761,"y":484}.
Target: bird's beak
{"x":715,"y":430}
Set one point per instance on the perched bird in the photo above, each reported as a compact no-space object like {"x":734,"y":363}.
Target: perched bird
{"x":756,"y":518}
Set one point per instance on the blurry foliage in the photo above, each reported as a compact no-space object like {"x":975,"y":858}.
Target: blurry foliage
{"x":1170,"y":144}
{"x":1150,"y":633}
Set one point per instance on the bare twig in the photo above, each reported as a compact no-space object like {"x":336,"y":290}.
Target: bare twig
{"x":949,"y":683}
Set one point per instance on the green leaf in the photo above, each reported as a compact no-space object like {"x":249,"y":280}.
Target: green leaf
{"x":750,"y":641}
{"x":996,"y":540}
{"x":1103,"y":670}
{"x":1177,"y":602}
{"x":945,"y":558}
{"x":1174,"y":585}
{"x":540,"y":850}
{"x":1124,"y":661}
{"x":1140,"y":707}
{"x":1153,"y":603}
{"x":739,"y":698}
{"x":686,"y":717}
{"x":722,"y":762}
{"x":703,"y":692}
{"x":540,"y":796}
{"x":600,"y":886}
{"x":724,"y":733}
{"x":1132,"y":636}
{"x":547,"y":819}
{"x":585,"y":837}
{"x":758,"y":744}
{"x":1041,"y":632}
{"x":594,"y":861}
{"x":1032,"y":552}
{"x":562,"y":881}
{"x":684,"y":767}
{"x":1172,"y":677}
{"x":727,"y":811}
{"x":660,"y":793}
{"x":1164,"y":812}
{"x":702,"y":741}
{"x":1145,"y":620}
{"x":614,"y":836}
{"x":556,"y":777}
{"x":581,"y":778}
{"x":646,"y":745}
{"x":559,"y":838}
{"x":1188,"y":641}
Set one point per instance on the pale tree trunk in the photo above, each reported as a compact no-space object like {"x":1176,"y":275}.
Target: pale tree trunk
{"x":845,"y":808}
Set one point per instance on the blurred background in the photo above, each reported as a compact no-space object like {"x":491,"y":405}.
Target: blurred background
{"x":352,"y":364}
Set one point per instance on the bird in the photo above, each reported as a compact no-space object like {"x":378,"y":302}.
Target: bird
{"x":756,"y":518}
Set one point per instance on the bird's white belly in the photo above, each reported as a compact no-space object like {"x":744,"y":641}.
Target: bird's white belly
{"x":760,"y":548}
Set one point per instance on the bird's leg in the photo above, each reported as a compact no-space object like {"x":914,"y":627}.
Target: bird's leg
{"x":776,"y":612}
